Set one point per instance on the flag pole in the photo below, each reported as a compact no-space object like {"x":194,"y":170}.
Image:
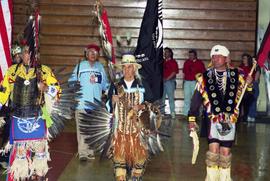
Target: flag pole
{"x":106,"y":37}
{"x":246,"y":84}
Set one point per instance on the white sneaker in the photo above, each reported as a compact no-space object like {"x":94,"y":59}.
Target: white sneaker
{"x":250,"y":119}
{"x":173,"y":115}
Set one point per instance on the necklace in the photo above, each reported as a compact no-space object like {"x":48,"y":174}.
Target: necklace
{"x":221,"y":79}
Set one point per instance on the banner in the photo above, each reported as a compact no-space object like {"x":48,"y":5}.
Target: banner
{"x":5,"y":36}
{"x":149,"y":50}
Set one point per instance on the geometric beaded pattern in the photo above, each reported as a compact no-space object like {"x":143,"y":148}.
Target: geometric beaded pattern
{"x":219,"y":102}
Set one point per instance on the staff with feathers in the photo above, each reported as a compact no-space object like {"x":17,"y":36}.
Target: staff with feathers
{"x":30,"y":38}
{"x":106,"y":36}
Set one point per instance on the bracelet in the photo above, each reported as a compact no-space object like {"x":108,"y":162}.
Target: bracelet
{"x":191,"y":119}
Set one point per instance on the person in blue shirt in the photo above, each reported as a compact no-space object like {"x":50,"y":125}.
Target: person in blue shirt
{"x":91,"y":75}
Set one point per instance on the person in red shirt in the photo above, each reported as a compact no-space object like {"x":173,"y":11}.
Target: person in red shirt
{"x":192,"y":67}
{"x":250,"y":95}
{"x":246,"y":64}
{"x":170,"y":69}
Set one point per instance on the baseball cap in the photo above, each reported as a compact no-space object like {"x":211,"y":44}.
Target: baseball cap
{"x":219,"y":50}
{"x":93,"y":46}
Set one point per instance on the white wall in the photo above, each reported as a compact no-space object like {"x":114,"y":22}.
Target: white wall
{"x":263,"y":17}
{"x":263,"y":20}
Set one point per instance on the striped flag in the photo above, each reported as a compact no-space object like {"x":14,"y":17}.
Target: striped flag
{"x":6,"y":19}
{"x":149,"y":50}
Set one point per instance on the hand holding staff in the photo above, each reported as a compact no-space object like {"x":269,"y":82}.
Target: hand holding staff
{"x":248,"y":81}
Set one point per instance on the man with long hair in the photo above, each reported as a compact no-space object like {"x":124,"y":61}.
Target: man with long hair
{"x":170,"y":70}
{"x":128,"y":95}
{"x":219,"y":90}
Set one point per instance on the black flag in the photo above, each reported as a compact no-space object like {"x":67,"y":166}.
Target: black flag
{"x":149,"y":51}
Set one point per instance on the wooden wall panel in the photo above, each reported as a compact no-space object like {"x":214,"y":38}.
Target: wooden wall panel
{"x":197,"y":24}
{"x":67,"y":26}
{"x":172,"y":4}
{"x":88,"y":31}
{"x":135,"y":12}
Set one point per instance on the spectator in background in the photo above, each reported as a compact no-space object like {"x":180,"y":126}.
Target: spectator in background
{"x":229,"y":63}
{"x":266,"y":74}
{"x":245,"y":67}
{"x":252,"y":112}
{"x":192,"y":67}
{"x":93,"y":79}
{"x":246,"y":64}
{"x":170,"y":69}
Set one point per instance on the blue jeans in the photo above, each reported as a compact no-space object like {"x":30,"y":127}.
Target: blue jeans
{"x":189,"y":87}
{"x":253,"y":105}
{"x":169,"y":89}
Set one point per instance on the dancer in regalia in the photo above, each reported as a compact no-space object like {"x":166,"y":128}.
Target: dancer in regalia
{"x":219,"y":90}
{"x":129,"y":132}
{"x":28,"y":135}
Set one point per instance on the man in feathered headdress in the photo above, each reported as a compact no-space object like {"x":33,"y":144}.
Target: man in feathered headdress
{"x":28,"y":136}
